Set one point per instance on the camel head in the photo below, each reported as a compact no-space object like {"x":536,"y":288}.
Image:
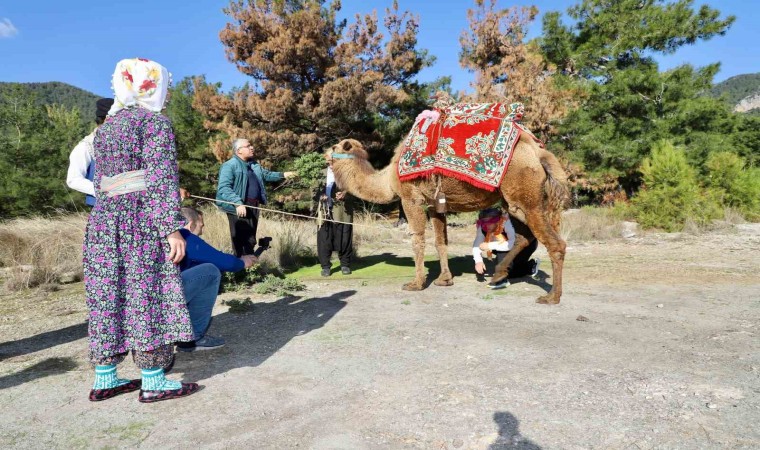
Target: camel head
{"x":354,"y":173}
{"x":351,"y":148}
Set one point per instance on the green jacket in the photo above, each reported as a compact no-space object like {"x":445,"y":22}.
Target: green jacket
{"x":233,"y":182}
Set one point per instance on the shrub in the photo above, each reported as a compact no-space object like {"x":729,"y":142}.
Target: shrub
{"x":736,"y":186}
{"x":671,"y":194}
{"x":280,"y":286}
{"x":310,"y":168}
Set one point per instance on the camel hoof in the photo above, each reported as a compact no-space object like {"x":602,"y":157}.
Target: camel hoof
{"x":444,"y":282}
{"x":547,"y":300}
{"x":413,"y":286}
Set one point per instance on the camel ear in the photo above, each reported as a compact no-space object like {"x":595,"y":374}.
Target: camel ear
{"x":347,"y":145}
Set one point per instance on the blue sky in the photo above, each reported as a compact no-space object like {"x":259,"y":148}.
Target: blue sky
{"x":78,"y":42}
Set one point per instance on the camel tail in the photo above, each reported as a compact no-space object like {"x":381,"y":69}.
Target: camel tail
{"x":555,"y":188}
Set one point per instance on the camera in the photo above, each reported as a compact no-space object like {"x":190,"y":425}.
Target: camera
{"x":263,"y":244}
{"x":265,"y":241}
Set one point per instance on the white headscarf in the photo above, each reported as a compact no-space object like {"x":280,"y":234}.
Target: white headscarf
{"x":139,"y":81}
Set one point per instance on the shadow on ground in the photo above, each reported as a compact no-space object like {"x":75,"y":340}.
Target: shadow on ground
{"x":44,"y":368}
{"x":258,"y":331}
{"x":254,"y":334}
{"x":509,"y":434}
{"x":43,"y":341}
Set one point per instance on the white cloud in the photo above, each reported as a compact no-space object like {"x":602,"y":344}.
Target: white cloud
{"x":7,"y":29}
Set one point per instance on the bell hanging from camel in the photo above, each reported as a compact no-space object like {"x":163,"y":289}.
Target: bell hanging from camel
{"x":440,"y":203}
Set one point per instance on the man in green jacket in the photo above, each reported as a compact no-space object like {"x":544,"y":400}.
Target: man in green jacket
{"x":241,"y":182}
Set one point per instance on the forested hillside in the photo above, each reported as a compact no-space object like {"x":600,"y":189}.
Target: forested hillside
{"x":61,"y":94}
{"x":738,"y":88}
{"x":646,"y":141}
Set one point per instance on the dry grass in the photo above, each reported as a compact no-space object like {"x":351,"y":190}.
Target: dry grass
{"x":295,"y":240}
{"x":733,"y":216}
{"x":39,"y":251}
{"x":591,"y":224}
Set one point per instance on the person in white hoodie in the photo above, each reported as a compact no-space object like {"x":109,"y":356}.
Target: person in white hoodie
{"x":495,"y":236}
{"x":81,"y":160}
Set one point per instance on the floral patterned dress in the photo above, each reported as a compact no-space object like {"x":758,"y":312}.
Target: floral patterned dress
{"x":134,"y":292}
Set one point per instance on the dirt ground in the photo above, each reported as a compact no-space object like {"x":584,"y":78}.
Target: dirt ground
{"x":655,"y":345}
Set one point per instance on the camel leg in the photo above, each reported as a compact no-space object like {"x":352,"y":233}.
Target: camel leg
{"x":417,"y":219}
{"x":545,"y":232}
{"x":502,"y":269}
{"x":441,"y":244}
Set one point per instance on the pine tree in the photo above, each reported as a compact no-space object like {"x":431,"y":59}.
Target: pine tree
{"x":314,"y":80}
{"x":628,"y":103}
{"x":197,"y":165}
{"x":35,"y":142}
{"x":510,"y":70}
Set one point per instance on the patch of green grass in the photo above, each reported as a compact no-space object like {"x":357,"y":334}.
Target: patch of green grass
{"x":327,"y":336}
{"x":240,"y":306}
{"x":280,"y":286}
{"x":406,"y":302}
{"x":79,"y":442}
{"x":386,"y":266}
{"x":236,"y":281}
{"x":134,"y":431}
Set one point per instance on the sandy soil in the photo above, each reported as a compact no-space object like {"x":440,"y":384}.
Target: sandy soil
{"x":655,"y":345}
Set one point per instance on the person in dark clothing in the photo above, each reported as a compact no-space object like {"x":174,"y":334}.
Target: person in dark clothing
{"x":332,"y":203}
{"x":241,"y":184}
{"x":495,"y":236}
{"x":201,"y":270}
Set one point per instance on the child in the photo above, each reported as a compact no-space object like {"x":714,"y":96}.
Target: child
{"x":495,"y":235}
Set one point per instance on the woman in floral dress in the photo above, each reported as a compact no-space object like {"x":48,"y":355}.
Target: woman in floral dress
{"x":134,"y":289}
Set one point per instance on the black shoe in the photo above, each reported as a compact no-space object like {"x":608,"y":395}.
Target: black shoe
{"x":185,"y":347}
{"x":534,"y":269}
{"x":501,"y":284}
{"x":345,"y":270}
{"x":205,"y":343}
{"x":326,"y":272}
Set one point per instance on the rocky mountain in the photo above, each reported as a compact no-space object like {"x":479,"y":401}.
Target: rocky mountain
{"x":741,"y":91}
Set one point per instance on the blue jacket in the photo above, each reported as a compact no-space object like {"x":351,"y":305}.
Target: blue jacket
{"x":198,"y":252}
{"x":233,"y":182}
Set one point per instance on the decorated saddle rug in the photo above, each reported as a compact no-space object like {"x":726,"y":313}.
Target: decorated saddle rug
{"x":472,"y":142}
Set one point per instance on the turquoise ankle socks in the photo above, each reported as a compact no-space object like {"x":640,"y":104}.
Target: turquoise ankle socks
{"x":154,"y":380}
{"x":105,"y":378}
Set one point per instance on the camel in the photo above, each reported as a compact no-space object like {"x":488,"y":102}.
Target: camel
{"x":533,"y":188}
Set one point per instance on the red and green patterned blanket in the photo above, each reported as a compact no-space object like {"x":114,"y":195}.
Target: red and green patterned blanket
{"x":472,"y":142}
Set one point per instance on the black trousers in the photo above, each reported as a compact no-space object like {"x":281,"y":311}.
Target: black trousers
{"x":522,"y":265}
{"x":243,"y":232}
{"x":335,"y":237}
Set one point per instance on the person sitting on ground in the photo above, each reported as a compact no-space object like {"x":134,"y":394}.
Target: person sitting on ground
{"x":495,"y":236}
{"x":330,"y":203}
{"x":201,"y":275}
